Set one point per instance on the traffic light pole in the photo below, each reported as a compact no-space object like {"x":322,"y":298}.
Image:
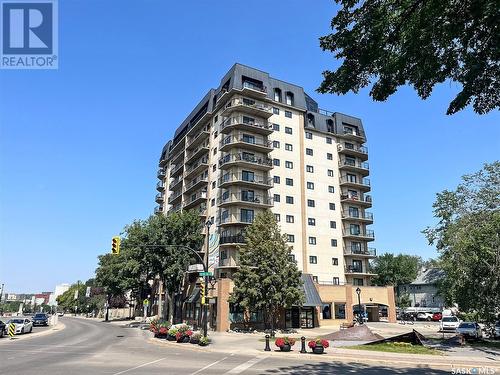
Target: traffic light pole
{"x":205,"y":266}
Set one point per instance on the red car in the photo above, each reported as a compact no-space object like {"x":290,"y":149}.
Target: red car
{"x":436,"y":317}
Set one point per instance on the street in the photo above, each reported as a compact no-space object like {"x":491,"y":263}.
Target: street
{"x":89,"y":347}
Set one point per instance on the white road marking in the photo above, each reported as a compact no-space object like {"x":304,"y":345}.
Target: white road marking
{"x":136,"y":367}
{"x":239,"y":369}
{"x":208,"y":366}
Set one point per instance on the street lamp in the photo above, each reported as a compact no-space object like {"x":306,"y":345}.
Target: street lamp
{"x":360,"y":318}
{"x":205,"y":306}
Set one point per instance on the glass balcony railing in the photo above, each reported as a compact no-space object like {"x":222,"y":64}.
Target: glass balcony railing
{"x":357,"y":181}
{"x":357,"y":215}
{"x":242,"y":120}
{"x":359,"y":233}
{"x":370,"y":251}
{"x":231,"y":237}
{"x":354,"y":164}
{"x":262,"y":142}
{"x":254,"y":86}
{"x":257,"y":160}
{"x":243,"y":177}
{"x":245,"y":198}
{"x":356,"y":197}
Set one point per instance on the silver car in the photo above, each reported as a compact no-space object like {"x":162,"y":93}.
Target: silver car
{"x":470,"y":330}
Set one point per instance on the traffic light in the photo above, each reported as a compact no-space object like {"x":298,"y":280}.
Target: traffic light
{"x":202,"y":292}
{"x":115,"y":245}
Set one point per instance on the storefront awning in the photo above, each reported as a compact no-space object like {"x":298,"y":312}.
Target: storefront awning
{"x":194,"y":296}
{"x":310,"y":291}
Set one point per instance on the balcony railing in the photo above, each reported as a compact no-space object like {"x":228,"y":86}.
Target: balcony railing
{"x":173,"y":197}
{"x":357,"y":215}
{"x":202,"y":162}
{"x":353,"y":269}
{"x":241,"y":120}
{"x":160,"y":186}
{"x":357,"y":197}
{"x":251,"y":141}
{"x":351,"y":147}
{"x":245,"y":198}
{"x":158,"y":209}
{"x":235,"y":218}
{"x":359,"y":233}
{"x":197,"y":138}
{"x":161,"y":174}
{"x":358,"y":181}
{"x":228,"y":262}
{"x":240,"y":177}
{"x":237,"y":237}
{"x":353,"y":163}
{"x":159,"y":197}
{"x":254,"y":86}
{"x":194,"y":198}
{"x":370,"y":251}
{"x":252,"y":159}
{"x":249,"y":103}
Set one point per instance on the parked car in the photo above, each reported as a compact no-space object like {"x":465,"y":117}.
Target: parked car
{"x":424,"y":316}
{"x":2,"y":328}
{"x":23,"y":325}
{"x":449,"y":323}
{"x":470,"y":330}
{"x":436,"y":317}
{"x":40,"y":319}
{"x":60,"y":313}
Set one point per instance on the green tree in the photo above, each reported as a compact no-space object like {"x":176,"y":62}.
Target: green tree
{"x":395,"y":269}
{"x":467,"y":237}
{"x":416,"y":42}
{"x":276,"y":283}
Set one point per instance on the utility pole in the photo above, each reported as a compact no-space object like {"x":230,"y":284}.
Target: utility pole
{"x":1,"y":293}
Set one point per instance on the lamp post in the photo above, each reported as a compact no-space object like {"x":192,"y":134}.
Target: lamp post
{"x":358,"y":292}
{"x":205,"y":306}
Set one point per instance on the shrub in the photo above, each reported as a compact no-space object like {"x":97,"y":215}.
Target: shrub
{"x":204,"y":341}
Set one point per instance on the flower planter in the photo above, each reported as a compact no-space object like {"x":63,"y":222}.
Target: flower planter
{"x":171,"y":338}
{"x":318,"y":349}
{"x":201,"y":343}
{"x":194,"y":341}
{"x":183,"y":339}
{"x":286,"y":348}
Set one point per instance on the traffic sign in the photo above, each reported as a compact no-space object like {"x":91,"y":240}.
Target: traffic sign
{"x":12,"y":330}
{"x":145,"y":302}
{"x":206,"y":273}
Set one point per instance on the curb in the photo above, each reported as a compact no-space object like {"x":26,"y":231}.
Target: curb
{"x":57,"y":328}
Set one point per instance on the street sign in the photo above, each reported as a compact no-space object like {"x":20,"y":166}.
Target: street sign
{"x":206,"y":273}
{"x":145,"y":302}
{"x":12,"y":330}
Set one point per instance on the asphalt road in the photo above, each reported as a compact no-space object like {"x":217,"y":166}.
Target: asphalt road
{"x":87,"y":347}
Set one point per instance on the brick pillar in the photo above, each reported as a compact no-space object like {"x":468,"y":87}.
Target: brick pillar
{"x":349,"y":314}
{"x":391,"y":309}
{"x":223,"y":290}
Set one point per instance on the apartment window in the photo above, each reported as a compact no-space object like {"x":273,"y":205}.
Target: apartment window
{"x":288,"y":147}
{"x":312,"y":240}
{"x":335,"y":261}
{"x":277,"y":95}
{"x":357,"y":282}
{"x":214,"y":151}
{"x":276,"y":111}
{"x":309,"y":135}
{"x":332,"y":206}
{"x":277,"y":217}
{"x":290,"y":219}
{"x":276,"y":144}
{"x":311,"y":221}
{"x":313,"y":260}
{"x":276,"y":162}
{"x":289,"y":181}
{"x":309,"y":168}
{"x":329,"y":156}
{"x":216,"y":134}
{"x":310,"y":203}
{"x":246,"y":215}
{"x":331,"y":189}
{"x":333,"y":224}
{"x":276,"y":197}
{"x":289,"y":98}
{"x":247,"y":176}
{"x":216,"y":118}
{"x":288,"y":130}
{"x":214,"y":168}
{"x":289,"y":164}
{"x":276,"y":127}
{"x":328,"y":140}
{"x":336,"y":281}
{"x":288,"y":114}
{"x":309,"y":151}
{"x":310,"y":185}
{"x":276,"y":179}
{"x":292,"y":258}
{"x":289,"y":199}
{"x":212,"y":202}
{"x":330,"y":173}
{"x":290,"y":238}
{"x":213,"y":185}
{"x":333,"y":242}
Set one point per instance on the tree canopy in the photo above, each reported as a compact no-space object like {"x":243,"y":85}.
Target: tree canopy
{"x":276,"y":283}
{"x":420,"y":43}
{"x":467,"y":237}
{"x":395,"y":269}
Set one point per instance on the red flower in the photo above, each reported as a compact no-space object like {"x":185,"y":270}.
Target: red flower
{"x":163,"y":330}
{"x":311,"y":344}
{"x":178,"y":335}
{"x":325,"y":343}
{"x":279,"y":342}
{"x":189,"y":332}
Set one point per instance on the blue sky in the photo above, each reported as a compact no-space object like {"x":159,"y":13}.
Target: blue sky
{"x":79,"y":146}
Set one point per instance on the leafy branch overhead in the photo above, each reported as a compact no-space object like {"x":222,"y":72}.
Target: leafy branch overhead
{"x":392,"y":43}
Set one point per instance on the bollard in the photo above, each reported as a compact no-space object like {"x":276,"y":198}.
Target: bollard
{"x":267,"y":349}
{"x":303,"y":341}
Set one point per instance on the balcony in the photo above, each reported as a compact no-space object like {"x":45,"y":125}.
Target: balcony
{"x":197,"y":139}
{"x":262,"y":163}
{"x":366,"y":217}
{"x":197,"y":153}
{"x":160,"y":186}
{"x":195,"y":199}
{"x":195,"y":184}
{"x":365,"y":235}
{"x":198,"y":122}
{"x":245,"y":199}
{"x":359,"y":200}
{"x":176,"y":148}
{"x":174,"y":209}
{"x":177,"y":158}
{"x":354,"y":270}
{"x":358,"y":183}
{"x":202,"y":211}
{"x":197,"y":167}
{"x":246,"y":123}
{"x":247,"y":105}
{"x":177,"y":170}
{"x":231,"y":238}
{"x":227,"y":263}
{"x":174,"y":198}
{"x":367,"y":252}
{"x":362,"y":168}
{"x":246,"y":180}
{"x":360,"y":152}
{"x":174,"y":184}
{"x":353,"y":134}
{"x":252,"y":88}
{"x":159,"y":198}
{"x":249,"y":143}
{"x":161,"y":174}
{"x":235,"y":218}
{"x":158,"y":210}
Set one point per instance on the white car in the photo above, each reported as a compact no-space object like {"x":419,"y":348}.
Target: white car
{"x":22,"y":325}
{"x":449,"y":323}
{"x":424,"y":316}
